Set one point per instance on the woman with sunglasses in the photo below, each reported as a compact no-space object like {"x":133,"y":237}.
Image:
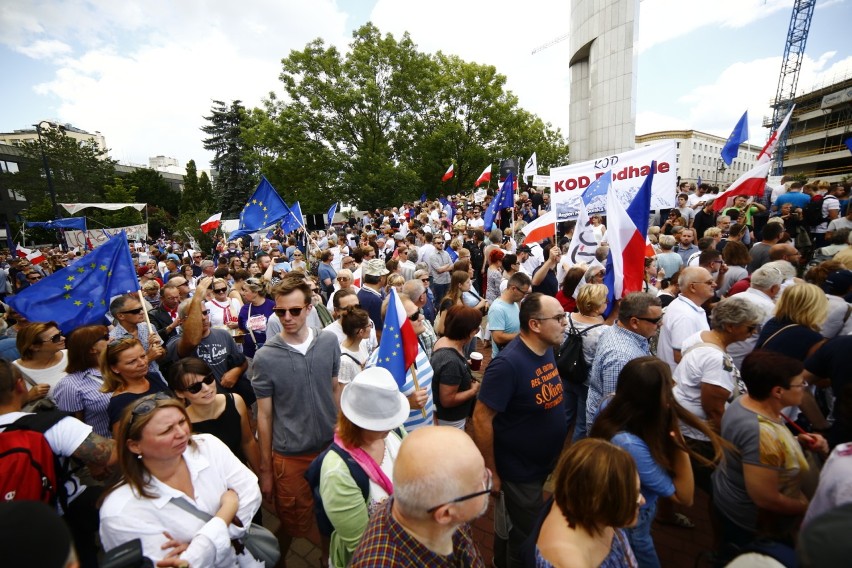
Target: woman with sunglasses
{"x":224,"y":311}
{"x":171,"y":479}
{"x":224,"y":415}
{"x":124,"y":368}
{"x":596,"y":495}
{"x":79,"y":392}
{"x":254,"y":315}
{"x":43,"y":359}
{"x":706,"y":378}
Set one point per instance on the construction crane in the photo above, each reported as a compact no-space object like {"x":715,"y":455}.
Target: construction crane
{"x":554,"y":41}
{"x":794,"y":50}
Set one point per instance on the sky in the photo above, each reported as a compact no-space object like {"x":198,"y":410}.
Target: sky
{"x":144,"y":74}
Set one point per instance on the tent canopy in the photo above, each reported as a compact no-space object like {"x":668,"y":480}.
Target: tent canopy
{"x":75,"y":207}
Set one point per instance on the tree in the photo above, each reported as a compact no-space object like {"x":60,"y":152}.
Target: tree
{"x":236,"y":178}
{"x":118,"y":192}
{"x":381,"y":123}
{"x":153,"y":189}
{"x":193,"y":198}
{"x":79,"y":170}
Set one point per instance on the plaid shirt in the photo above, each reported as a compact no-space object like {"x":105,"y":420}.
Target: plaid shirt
{"x":385,"y":543}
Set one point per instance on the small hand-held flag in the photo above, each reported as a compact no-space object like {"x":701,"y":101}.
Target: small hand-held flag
{"x":211,"y":223}
{"x":79,"y":294}
{"x":737,"y":137}
{"x":398,"y":346}
{"x":485,"y":176}
{"x":503,"y":200}
{"x":531,"y":167}
{"x":330,"y":215}
{"x":448,"y":174}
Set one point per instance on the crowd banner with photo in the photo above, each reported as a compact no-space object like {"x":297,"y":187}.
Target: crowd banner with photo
{"x":98,"y":237}
{"x":629,"y":170}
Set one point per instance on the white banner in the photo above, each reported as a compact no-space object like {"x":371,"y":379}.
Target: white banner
{"x":541,"y":181}
{"x":479,"y":195}
{"x":629,"y":169}
{"x":100,"y":236}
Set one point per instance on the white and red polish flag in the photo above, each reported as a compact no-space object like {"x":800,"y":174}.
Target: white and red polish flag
{"x":750,"y":184}
{"x":771,"y":144}
{"x":211,"y":223}
{"x":448,"y":174}
{"x":485,"y":176}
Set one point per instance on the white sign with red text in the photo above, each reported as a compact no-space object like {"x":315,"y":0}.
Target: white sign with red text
{"x":629,"y":169}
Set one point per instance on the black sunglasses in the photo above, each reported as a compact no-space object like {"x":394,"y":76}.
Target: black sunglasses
{"x":654,"y":321}
{"x":415,"y":316}
{"x":220,"y":290}
{"x":294,"y":312}
{"x":136,"y":312}
{"x":195,"y":388}
{"x":53,"y":339}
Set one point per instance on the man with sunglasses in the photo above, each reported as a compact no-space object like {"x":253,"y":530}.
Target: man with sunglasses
{"x":685,"y":316}
{"x":215,"y":346}
{"x":639,"y":317}
{"x":504,"y":314}
{"x":129,"y":317}
{"x":295,"y":378}
{"x":427,"y":520}
{"x":519,"y":419}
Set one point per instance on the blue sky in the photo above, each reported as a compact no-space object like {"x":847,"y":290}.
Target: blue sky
{"x":145,"y":73}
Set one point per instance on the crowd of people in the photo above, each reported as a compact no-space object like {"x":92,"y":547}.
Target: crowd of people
{"x":249,"y":374}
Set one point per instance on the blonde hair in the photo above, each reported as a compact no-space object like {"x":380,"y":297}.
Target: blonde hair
{"x":713,"y":232}
{"x":591,"y":297}
{"x":804,"y":304}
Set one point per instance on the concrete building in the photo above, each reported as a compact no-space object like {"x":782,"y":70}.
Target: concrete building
{"x":602,"y":111}
{"x":18,"y":137}
{"x":158,"y":162}
{"x":822,"y":121}
{"x":698,"y":154}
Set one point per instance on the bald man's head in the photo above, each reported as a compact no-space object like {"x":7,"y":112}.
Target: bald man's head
{"x":436,"y":465}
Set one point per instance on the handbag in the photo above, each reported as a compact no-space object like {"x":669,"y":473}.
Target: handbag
{"x":39,"y":405}
{"x":261,"y":543}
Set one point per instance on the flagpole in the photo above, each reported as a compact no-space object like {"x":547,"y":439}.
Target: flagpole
{"x":413,"y":370}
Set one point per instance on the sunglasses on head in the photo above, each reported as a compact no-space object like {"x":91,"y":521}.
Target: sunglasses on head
{"x":136,"y":311}
{"x":294,"y":312}
{"x":195,"y":388}
{"x":52,"y":339}
{"x":147,"y":404}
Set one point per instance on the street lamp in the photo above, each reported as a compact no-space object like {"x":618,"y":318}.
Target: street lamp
{"x":720,"y":169}
{"x":50,"y":187}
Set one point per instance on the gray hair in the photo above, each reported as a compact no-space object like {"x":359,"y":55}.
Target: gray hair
{"x":767,"y":276}
{"x":206,"y":263}
{"x":412,"y":255}
{"x":416,"y":496}
{"x":118,"y":303}
{"x":667,"y":242}
{"x":636,"y":304}
{"x":735,"y":310}
{"x":413,"y":288}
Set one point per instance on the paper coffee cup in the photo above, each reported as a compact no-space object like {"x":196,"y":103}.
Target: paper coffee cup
{"x":475,"y":361}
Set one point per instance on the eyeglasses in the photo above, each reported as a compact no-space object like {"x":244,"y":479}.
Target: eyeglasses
{"x":754,"y":328}
{"x":524,"y":292}
{"x":53,"y":339}
{"x":220,"y":290}
{"x":424,"y":280}
{"x":559,"y":318}
{"x":34,"y":277}
{"x":147,"y":404}
{"x":135,"y":311}
{"x":205,"y":312}
{"x":489,"y":484}
{"x":654,"y":321}
{"x":436,"y":243}
{"x":342,"y":278}
{"x":801,"y":385}
{"x":105,"y":337}
{"x":195,"y":388}
{"x":415,"y":316}
{"x":294,"y":312}
{"x":708,"y":282}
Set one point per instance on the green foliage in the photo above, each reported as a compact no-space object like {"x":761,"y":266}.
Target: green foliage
{"x":236,"y":176}
{"x":118,"y":192}
{"x":152,"y":189}
{"x":381,"y":124}
{"x":194,"y":197}
{"x":80,"y":170}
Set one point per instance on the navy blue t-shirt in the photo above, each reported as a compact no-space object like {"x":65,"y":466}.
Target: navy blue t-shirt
{"x":530,"y":427}
{"x":549,"y":286}
{"x":119,"y":402}
{"x":372,"y":303}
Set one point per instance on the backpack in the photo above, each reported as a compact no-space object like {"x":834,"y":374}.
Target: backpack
{"x":570,"y":361}
{"x":812,"y":212}
{"x":326,"y":528}
{"x":29,"y":470}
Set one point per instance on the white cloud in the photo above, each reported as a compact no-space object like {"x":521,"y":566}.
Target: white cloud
{"x":144,"y":74}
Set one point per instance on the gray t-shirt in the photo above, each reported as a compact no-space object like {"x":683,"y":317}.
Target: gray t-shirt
{"x":218,"y":350}
{"x":761,"y":442}
{"x":436,"y":260}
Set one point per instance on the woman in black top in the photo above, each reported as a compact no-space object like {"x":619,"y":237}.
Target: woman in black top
{"x":453,"y":386}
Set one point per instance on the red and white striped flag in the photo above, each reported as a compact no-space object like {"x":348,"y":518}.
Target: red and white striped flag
{"x":212,"y":223}
{"x":751,"y":183}
{"x":771,"y":144}
{"x":485,"y":176}
{"x":449,"y":174}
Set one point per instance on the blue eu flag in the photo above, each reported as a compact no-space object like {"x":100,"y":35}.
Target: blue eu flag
{"x":503,"y":200}
{"x":737,"y":137}
{"x":330,"y":215}
{"x":79,"y":294}
{"x":264,"y":208}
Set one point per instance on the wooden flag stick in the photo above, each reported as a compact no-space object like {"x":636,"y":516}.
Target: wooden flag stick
{"x":151,"y":330}
{"x":416,"y":385}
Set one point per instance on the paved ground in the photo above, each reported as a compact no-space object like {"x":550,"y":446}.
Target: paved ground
{"x":677,"y":547}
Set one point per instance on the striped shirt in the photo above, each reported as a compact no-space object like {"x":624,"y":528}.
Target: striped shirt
{"x":617,"y":346}
{"x":424,"y":380}
{"x":81,"y":391}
